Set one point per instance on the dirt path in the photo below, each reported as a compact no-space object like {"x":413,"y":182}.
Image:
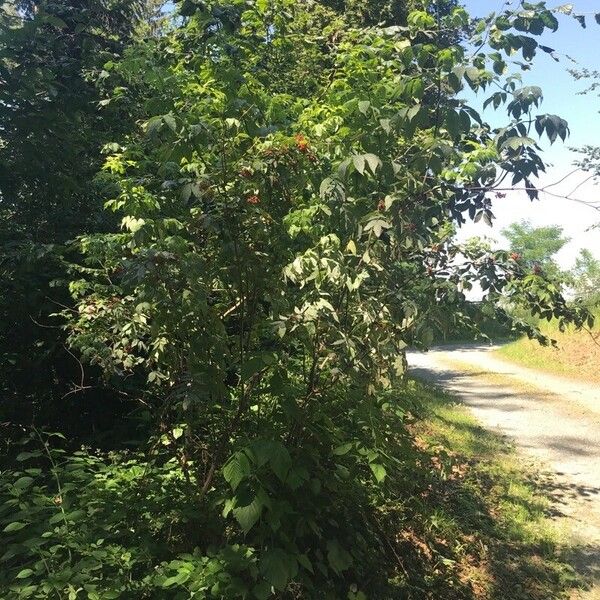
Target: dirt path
{"x":554,"y":420}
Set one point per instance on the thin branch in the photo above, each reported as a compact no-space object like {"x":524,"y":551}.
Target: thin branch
{"x":580,"y":184}
{"x":81,"y":386}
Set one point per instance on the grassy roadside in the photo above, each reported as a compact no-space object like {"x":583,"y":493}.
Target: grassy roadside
{"x":479,"y":528}
{"x":577,"y":354}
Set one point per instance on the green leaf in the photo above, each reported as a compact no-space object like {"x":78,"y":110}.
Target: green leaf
{"x":262,"y":591}
{"x":338,"y":558}
{"x":516,"y":142}
{"x":373,"y":161}
{"x":153,"y":125}
{"x":27,"y":455}
{"x":169,"y":121}
{"x":247,"y":516}
{"x":453,"y":124}
{"x":23,"y":482}
{"x":343,"y":449}
{"x":14,"y":526}
{"x":178,"y":579}
{"x":278,"y":567}
{"x":363,"y":106}
{"x":379,"y":471}
{"x":359,"y":163}
{"x":55,"y":21}
{"x":24,"y":573}
{"x":305,"y":562}
{"x":377,"y":225}
{"x":281,"y":462}
{"x":236,"y":469}
{"x":472,"y":74}
{"x":565,"y":9}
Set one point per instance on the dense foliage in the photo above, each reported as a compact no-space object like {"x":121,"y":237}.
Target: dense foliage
{"x":51,"y":134}
{"x":288,"y":178}
{"x":586,"y":277}
{"x":536,"y":246}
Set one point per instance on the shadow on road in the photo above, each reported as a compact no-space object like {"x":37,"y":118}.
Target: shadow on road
{"x":560,"y":494}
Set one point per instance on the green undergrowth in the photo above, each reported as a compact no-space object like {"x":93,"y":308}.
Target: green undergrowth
{"x":482,"y":511}
{"x":446,"y":510}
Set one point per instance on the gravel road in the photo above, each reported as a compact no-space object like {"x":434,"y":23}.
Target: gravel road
{"x":554,"y":420}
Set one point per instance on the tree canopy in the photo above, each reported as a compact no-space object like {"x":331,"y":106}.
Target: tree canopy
{"x":536,"y":246}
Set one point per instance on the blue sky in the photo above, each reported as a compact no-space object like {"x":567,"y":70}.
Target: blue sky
{"x":560,"y":89}
{"x":561,"y":97}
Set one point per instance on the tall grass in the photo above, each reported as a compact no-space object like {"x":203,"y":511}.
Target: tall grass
{"x":576,"y":354}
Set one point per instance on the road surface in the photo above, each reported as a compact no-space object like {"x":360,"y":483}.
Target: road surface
{"x":554,"y":420}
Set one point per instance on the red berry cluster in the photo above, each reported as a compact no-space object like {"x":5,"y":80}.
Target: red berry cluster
{"x":302,"y":143}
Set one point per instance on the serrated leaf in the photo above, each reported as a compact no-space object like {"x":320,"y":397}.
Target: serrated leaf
{"x":516,"y":142}
{"x":413,"y":111}
{"x":236,"y":469}
{"x":343,"y":167}
{"x":247,"y":516}
{"x":281,"y":462}
{"x":472,"y":74}
{"x":326,"y":185}
{"x":153,"y":125}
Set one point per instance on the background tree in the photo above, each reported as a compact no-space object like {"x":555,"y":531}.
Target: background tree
{"x":536,"y":246}
{"x":586,"y":277}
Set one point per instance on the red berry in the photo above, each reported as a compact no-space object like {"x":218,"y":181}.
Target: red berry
{"x":301,"y":143}
{"x":254,"y":199}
